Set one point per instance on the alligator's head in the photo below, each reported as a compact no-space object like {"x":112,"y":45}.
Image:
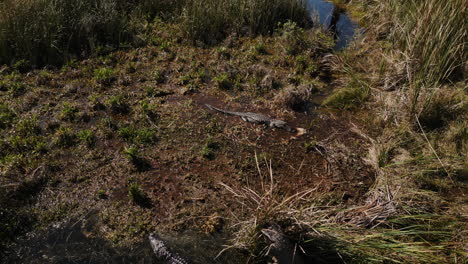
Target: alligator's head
{"x":158,"y":245}
{"x":281,"y":124}
{"x":275,"y":236}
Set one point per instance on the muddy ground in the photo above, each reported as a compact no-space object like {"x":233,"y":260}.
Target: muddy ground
{"x":184,"y":155}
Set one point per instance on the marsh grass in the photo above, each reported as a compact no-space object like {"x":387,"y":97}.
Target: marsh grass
{"x":353,"y":95}
{"x":416,"y":84}
{"x":263,"y":206}
{"x":210,"y":21}
{"x":385,"y":245}
{"x":48,"y":32}
{"x":432,"y":36}
{"x":394,"y":225}
{"x":42,"y":32}
{"x":429,"y":39}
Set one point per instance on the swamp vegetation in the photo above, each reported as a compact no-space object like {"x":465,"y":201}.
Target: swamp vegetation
{"x":104,"y":136}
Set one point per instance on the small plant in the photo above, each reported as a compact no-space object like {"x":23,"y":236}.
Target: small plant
{"x":147,"y":109}
{"x":30,"y":143}
{"x":3,"y":85}
{"x":294,"y":80}
{"x":209,"y":150}
{"x":130,"y":68}
{"x":71,"y":64}
{"x":351,"y":96}
{"x":224,"y":81}
{"x":109,"y":123}
{"x":223,"y":53}
{"x":65,"y":137}
{"x":28,"y":127}
{"x":138,"y":196}
{"x":16,"y":89}
{"x":165,"y":46}
{"x":186,"y":79}
{"x":127,"y":133}
{"x":22,"y":66}
{"x":153,"y":92}
{"x":159,"y":77}
{"x":102,"y":194}
{"x":202,"y":74}
{"x":260,"y":48}
{"x":302,"y":62}
{"x":7,"y":116}
{"x":69,"y":112}
{"x":312,"y":70}
{"x":310,"y":146}
{"x":118,"y":104}
{"x":104,"y":76}
{"x":87,"y":137}
{"x":133,"y":155}
{"x":146,"y":136}
{"x":96,"y":102}
{"x":294,"y":39}
{"x":138,"y":136}
{"x":43,"y":78}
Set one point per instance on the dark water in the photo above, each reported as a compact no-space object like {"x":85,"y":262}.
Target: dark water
{"x":334,"y":19}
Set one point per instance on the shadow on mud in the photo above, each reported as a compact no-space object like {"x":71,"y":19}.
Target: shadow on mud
{"x":324,"y":251}
{"x":76,"y":242}
{"x":73,"y":242}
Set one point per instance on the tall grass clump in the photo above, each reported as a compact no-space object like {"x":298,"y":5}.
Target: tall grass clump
{"x":52,"y":31}
{"x":430,"y":39}
{"x":210,"y":21}
{"x":48,"y":32}
{"x":45,"y":32}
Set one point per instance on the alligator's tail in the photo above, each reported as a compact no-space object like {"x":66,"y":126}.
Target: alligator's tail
{"x":223,"y":111}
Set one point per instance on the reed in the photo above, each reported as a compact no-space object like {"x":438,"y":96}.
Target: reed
{"x":430,"y":41}
{"x":211,"y":20}
{"x":45,"y":32}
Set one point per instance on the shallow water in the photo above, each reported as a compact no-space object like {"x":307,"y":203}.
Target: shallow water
{"x":343,"y":26}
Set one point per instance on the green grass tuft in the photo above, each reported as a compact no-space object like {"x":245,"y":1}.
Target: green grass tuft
{"x":7,"y":116}
{"x":65,"y":137}
{"x":104,"y":76}
{"x":118,"y":104}
{"x":353,"y":95}
{"x":87,"y":137}
{"x":69,"y":112}
{"x":138,"y":196}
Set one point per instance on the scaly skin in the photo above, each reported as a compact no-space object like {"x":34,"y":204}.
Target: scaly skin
{"x":256,"y":118}
{"x":163,"y":253}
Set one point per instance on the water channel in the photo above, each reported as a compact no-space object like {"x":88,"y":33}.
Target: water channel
{"x":335,"y":19}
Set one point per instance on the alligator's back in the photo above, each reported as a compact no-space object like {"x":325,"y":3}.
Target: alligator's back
{"x":226,"y":111}
{"x":246,"y":116}
{"x":163,"y":253}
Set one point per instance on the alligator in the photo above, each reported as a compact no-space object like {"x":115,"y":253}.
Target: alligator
{"x":256,"y":118}
{"x":163,"y":252}
{"x":281,"y":248}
